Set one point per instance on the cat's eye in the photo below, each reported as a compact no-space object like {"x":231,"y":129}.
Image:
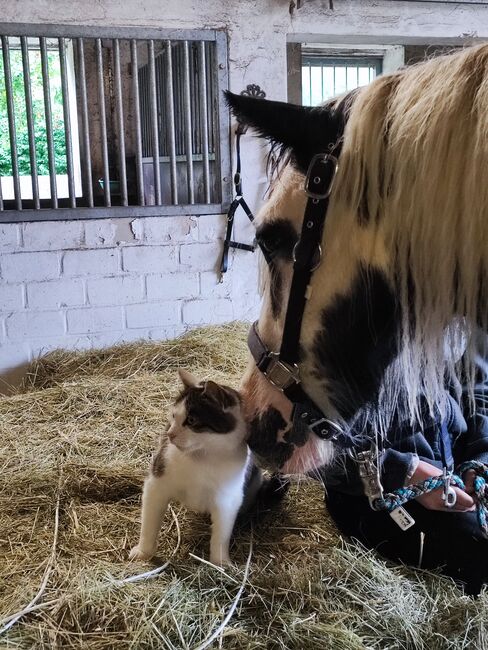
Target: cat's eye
{"x":191,"y":421}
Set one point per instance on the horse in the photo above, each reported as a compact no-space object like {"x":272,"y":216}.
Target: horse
{"x":402,"y":282}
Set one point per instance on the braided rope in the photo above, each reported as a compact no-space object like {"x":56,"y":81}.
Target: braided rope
{"x":480,"y":490}
{"x":397,"y":498}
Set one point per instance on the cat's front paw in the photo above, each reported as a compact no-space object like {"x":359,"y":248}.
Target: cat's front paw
{"x":141,"y":553}
{"x":220,"y":560}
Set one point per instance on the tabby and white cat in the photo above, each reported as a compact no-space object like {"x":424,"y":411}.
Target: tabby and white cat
{"x":204,"y":463}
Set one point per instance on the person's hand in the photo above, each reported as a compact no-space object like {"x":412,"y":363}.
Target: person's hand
{"x":469,"y":477}
{"x":433,"y":500}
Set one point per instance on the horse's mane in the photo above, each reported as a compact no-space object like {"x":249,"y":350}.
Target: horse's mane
{"x":415,"y":166}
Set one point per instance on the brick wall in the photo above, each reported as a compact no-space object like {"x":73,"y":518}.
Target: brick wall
{"x":80,"y":284}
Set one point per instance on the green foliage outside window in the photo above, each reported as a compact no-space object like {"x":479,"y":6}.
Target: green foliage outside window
{"x":38,"y":112}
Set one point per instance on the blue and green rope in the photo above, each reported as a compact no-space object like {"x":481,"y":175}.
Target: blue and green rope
{"x":397,"y":498}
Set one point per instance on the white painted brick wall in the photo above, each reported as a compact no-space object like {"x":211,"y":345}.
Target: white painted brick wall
{"x":56,"y":293}
{"x":119,"y":290}
{"x":149,"y":259}
{"x":153,"y":314}
{"x":101,"y":282}
{"x":25,"y":267}
{"x":90,"y":262}
{"x":95,"y":319}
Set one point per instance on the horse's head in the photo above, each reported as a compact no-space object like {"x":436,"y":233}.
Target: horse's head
{"x":349,"y":323}
{"x":393,"y":274}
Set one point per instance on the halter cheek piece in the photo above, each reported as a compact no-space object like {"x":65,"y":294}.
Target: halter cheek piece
{"x":281,"y":368}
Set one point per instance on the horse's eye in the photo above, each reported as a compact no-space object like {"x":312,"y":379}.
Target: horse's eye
{"x":262,"y":239}
{"x":277,"y":238}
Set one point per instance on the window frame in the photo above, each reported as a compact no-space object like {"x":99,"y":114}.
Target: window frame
{"x":222,"y":121}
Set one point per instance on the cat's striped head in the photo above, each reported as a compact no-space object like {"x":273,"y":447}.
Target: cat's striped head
{"x":206,"y":416}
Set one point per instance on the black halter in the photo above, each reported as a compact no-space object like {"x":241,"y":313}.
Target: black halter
{"x":238,"y":201}
{"x":281,"y":368}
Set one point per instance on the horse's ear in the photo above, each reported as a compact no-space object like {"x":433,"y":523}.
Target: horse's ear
{"x":303,"y":130}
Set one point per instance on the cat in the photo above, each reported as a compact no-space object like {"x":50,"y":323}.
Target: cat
{"x":204,"y":463}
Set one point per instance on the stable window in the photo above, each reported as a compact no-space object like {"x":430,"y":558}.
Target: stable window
{"x":102,"y":122}
{"x":318,"y":71}
{"x":325,"y":76}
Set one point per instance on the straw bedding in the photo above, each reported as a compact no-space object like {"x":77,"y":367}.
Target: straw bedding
{"x":74,"y":447}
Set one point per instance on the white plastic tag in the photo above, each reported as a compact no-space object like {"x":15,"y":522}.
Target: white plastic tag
{"x":402,"y":518}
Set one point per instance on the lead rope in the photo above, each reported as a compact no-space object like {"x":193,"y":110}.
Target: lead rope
{"x":393,"y":500}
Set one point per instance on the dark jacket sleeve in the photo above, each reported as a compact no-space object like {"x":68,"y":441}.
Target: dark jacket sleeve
{"x":473,"y":445}
{"x":396,"y":470}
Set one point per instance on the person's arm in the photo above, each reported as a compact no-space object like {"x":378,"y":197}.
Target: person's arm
{"x":473,"y":445}
{"x":401,"y":469}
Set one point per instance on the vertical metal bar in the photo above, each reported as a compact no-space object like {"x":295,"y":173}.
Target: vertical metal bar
{"x":334,"y":69}
{"x":30,"y":121}
{"x":103,"y":122}
{"x":170,"y":112}
{"x":188,"y":124}
{"x":204,"y":120}
{"x":11,"y":121}
{"x":154,"y":122}
{"x":49,"y":122}
{"x":119,"y":110}
{"x":223,"y":186}
{"x":310,"y":81}
{"x":137,"y":117}
{"x":322,"y":83}
{"x":85,"y":123}
{"x":67,"y":122}
{"x":357,"y":76}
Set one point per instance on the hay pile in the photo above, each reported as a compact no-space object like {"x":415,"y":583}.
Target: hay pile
{"x":74,"y":448}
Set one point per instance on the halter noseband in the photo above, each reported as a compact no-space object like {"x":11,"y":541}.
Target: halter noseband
{"x":281,"y":368}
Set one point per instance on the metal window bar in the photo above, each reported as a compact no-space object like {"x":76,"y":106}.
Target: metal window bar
{"x":188,"y":124}
{"x":30,"y":122}
{"x":348,"y":69}
{"x":46,"y":88}
{"x":85,"y":123}
{"x":129,"y":119}
{"x":137,"y":118}
{"x":120,"y":122}
{"x":11,"y":120}
{"x":103,"y":123}
{"x":67,"y":122}
{"x":170,"y":113}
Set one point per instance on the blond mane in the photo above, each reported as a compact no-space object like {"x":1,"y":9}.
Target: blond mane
{"x":415,"y":165}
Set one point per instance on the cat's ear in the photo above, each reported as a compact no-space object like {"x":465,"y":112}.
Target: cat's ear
{"x":188,"y":380}
{"x":223,"y":395}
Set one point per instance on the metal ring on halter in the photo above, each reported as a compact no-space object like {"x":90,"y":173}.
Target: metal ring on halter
{"x":318,"y":252}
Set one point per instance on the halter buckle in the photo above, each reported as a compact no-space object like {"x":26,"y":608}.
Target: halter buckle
{"x":320,"y":176}
{"x":281,"y":374}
